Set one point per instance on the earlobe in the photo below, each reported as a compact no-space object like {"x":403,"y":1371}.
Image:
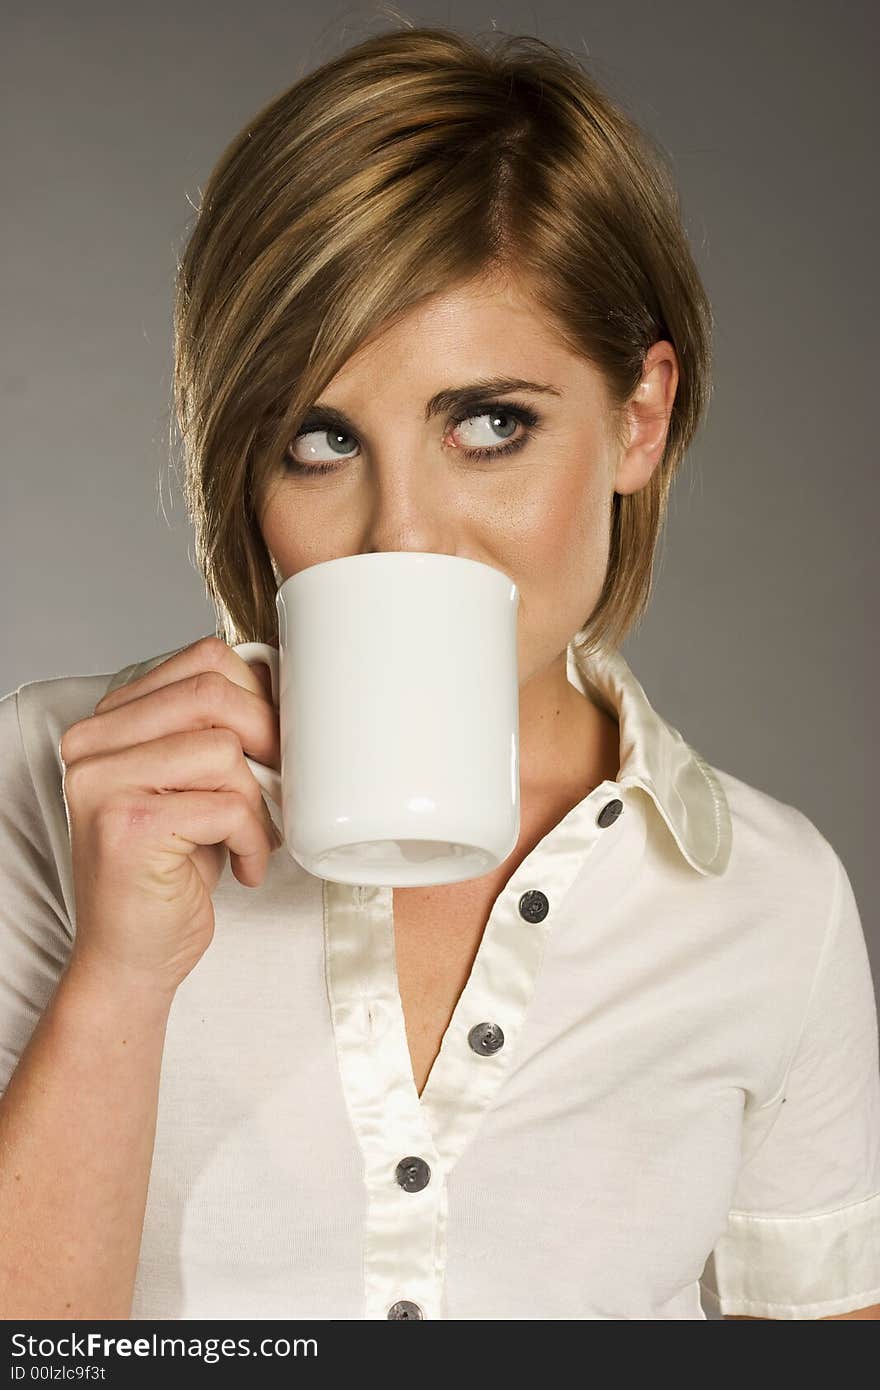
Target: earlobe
{"x":639,"y":459}
{"x":635,"y":469}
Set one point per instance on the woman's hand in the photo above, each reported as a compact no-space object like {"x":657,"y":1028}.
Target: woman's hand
{"x":157,"y":789}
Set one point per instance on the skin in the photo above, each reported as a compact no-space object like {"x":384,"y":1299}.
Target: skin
{"x":540,"y":515}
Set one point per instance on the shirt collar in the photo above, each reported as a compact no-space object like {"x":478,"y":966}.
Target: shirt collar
{"x":655,"y":757}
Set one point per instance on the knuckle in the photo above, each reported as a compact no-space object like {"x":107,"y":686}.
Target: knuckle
{"x":120,"y":818}
{"x":213,"y":651}
{"x":209,"y":687}
{"x":226,"y":744}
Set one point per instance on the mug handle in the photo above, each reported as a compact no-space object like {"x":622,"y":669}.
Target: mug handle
{"x":252,"y":652}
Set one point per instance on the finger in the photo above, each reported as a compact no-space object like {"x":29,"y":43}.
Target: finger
{"x":206,"y":700}
{"x":207,"y":654}
{"x":205,"y":818}
{"x":207,"y":760}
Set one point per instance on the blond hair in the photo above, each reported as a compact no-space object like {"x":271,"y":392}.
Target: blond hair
{"x":407,"y":165}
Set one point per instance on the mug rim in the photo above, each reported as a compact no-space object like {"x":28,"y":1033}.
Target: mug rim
{"x":389,"y":558}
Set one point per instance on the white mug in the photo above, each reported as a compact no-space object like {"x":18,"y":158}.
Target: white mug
{"x":396,"y":683}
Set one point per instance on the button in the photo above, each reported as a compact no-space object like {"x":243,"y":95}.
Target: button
{"x":486,"y":1038}
{"x":404,"y":1309}
{"x":533,"y":906}
{"x":413,"y":1174}
{"x":609,"y":813}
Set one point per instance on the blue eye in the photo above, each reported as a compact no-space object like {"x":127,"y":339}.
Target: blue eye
{"x":518,"y":411}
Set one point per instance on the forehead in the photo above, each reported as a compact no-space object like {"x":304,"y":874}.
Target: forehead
{"x":480,"y":329}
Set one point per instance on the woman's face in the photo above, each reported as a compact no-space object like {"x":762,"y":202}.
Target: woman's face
{"x":403,"y":477}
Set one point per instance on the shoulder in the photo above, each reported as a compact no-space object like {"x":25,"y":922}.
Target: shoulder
{"x":774,"y":842}
{"x":784,"y":886}
{"x":34,"y":835}
{"x":35,"y":715}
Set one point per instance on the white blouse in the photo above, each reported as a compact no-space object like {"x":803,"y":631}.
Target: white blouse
{"x":658,"y":1095}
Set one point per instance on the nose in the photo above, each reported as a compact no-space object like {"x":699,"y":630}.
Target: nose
{"x":410,"y":510}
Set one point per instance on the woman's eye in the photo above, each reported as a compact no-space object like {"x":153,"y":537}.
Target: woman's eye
{"x":484,"y":434}
{"x":310,"y":449}
{"x":503,"y":421}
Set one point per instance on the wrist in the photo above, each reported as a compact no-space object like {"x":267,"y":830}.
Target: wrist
{"x":107,"y":987}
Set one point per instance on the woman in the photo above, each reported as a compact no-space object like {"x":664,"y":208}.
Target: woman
{"x":438,"y":298}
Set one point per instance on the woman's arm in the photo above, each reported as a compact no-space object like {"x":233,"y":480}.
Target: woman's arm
{"x":77,"y":1129}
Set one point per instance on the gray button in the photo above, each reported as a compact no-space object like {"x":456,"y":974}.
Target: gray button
{"x":413,"y":1174}
{"x":486,"y":1038}
{"x":609,"y":813}
{"x":404,"y":1309}
{"x":533,"y":906}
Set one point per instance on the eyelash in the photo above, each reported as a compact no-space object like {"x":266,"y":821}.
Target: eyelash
{"x":517,"y":409}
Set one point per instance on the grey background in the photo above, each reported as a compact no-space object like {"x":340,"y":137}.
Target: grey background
{"x":758,"y":645}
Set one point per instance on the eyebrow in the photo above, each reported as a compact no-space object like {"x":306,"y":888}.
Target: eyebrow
{"x":454,"y":398}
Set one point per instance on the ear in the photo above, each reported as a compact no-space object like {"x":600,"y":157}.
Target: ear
{"x":648,"y":412}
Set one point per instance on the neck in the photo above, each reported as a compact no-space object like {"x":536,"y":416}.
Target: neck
{"x":566,"y":741}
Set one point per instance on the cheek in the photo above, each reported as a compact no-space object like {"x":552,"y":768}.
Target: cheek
{"x":293,"y":536}
{"x":563,"y":533}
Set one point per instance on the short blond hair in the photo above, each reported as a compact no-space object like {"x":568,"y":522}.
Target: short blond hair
{"x":411,"y":163}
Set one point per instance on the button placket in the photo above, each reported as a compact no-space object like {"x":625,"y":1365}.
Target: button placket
{"x":403,"y":1173}
{"x":487,"y":1038}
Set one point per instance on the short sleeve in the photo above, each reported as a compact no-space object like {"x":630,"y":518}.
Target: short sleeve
{"x":35,"y":932}
{"x":803,"y":1232}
